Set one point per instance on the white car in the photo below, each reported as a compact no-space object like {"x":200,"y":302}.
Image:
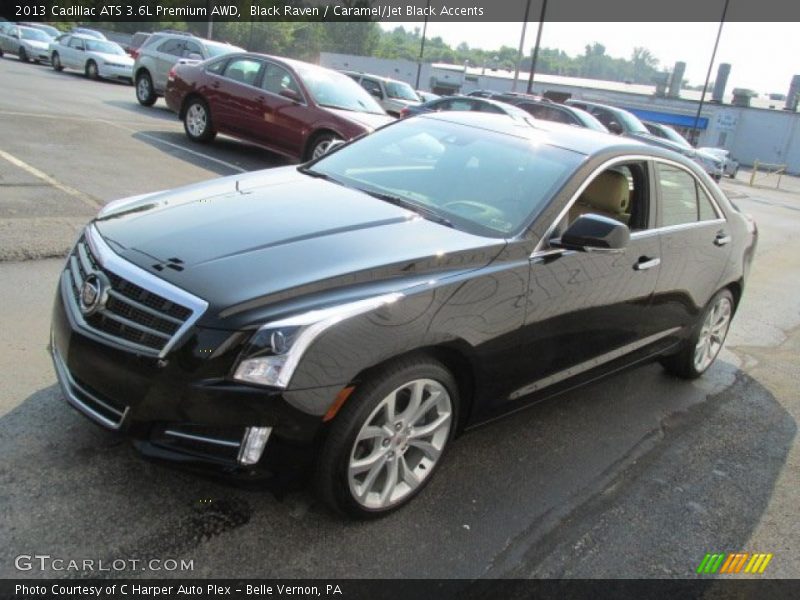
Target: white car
{"x":26,"y":42}
{"x":391,"y":94}
{"x":730,"y":166}
{"x":96,"y":58}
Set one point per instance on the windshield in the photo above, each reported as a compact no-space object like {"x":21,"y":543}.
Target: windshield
{"x":335,"y":90}
{"x":674,"y":136}
{"x":403,"y":91}
{"x":630,"y":122}
{"x":220,"y":49}
{"x":478,"y":180}
{"x":103,"y":47}
{"x":33,"y":34}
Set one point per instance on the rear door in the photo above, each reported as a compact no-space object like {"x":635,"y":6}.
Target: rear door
{"x":238,"y":104}
{"x":695,"y":242}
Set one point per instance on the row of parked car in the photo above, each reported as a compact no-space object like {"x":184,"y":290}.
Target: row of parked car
{"x":294,"y":108}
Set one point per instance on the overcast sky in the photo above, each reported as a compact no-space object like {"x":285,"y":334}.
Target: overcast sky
{"x":764,"y":56}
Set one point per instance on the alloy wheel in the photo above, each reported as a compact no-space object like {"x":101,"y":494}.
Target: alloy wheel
{"x":712,"y":334}
{"x":399,"y":444}
{"x":321,"y":148}
{"x":143,"y":88}
{"x":196,"y":120}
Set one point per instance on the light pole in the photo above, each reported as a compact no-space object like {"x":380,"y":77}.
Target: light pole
{"x":708,"y":73}
{"x":422,"y":45}
{"x":521,"y":43}
{"x":535,"y":56}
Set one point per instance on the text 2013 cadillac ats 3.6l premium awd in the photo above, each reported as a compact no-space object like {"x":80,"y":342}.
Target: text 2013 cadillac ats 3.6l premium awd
{"x":348,"y":317}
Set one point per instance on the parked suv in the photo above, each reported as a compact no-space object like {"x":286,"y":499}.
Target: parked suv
{"x":160,"y":52}
{"x":392,"y":95}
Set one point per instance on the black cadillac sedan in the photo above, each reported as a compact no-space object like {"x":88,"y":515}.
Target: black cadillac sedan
{"x":348,"y":318}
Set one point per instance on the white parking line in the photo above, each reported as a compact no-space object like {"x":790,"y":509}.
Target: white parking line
{"x":85,"y":198}
{"x":119,"y":125}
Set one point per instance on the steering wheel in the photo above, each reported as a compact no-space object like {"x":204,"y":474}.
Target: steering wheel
{"x":472,"y":209}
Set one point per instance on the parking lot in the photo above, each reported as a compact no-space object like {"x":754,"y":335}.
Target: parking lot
{"x":639,"y":475}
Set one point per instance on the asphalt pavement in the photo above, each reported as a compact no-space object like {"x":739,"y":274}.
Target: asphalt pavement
{"x":639,"y":475}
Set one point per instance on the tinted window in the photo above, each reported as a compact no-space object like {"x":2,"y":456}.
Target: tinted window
{"x":682,"y":198}
{"x":174,"y":47}
{"x":482,"y":181}
{"x":191,"y":47}
{"x":372,"y":87}
{"x":76,"y":43}
{"x":277,"y":79}
{"x":243,"y":70}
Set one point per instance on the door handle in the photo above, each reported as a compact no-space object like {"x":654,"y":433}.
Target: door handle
{"x":722,"y":239}
{"x":645,"y":262}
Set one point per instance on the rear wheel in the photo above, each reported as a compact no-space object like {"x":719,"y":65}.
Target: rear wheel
{"x":388,"y":439}
{"x":702,"y":348}
{"x":320,"y":145}
{"x":91,"y":69}
{"x":55,"y":60}
{"x":145,"y":93}
{"x":197,"y":121}
{"x":23,"y":54}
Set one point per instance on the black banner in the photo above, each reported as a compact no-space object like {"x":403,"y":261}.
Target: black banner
{"x":396,"y":10}
{"x":419,"y":589}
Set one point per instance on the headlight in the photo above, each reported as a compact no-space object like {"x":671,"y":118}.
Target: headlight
{"x":274,"y":351}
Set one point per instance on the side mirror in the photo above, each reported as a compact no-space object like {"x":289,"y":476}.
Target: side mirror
{"x":594,"y":233}
{"x":377,"y":93}
{"x":291,"y":95}
{"x":615,"y":128}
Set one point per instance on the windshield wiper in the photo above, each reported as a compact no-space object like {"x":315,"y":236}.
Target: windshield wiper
{"x":422,"y":211}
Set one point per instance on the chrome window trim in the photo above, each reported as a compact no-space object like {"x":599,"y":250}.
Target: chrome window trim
{"x":202,"y":438}
{"x":110,"y":260}
{"x":541,"y":248}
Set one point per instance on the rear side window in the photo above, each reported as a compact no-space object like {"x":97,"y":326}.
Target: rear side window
{"x":174,"y":47}
{"x":682,"y":199}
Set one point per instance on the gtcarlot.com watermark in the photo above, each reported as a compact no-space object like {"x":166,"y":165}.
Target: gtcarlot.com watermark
{"x":46,"y":562}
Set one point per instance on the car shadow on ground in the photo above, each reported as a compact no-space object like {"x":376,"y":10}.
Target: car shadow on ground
{"x":158,"y":111}
{"x":642,"y":463}
{"x":225,"y":156}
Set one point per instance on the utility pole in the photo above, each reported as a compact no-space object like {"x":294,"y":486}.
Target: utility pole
{"x":521,"y":43}
{"x":708,"y":74}
{"x":422,"y":45}
{"x":535,"y":56}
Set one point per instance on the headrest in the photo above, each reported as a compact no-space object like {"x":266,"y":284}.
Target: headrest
{"x":608,"y":191}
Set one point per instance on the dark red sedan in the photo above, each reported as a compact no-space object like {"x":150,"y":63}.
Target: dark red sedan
{"x":290,"y":107}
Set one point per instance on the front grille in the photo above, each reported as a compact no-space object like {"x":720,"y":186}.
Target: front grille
{"x":130,"y":314}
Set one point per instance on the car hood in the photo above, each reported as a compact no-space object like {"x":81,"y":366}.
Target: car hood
{"x":268,"y":237}
{"x":369,"y":120}
{"x":118,"y":59}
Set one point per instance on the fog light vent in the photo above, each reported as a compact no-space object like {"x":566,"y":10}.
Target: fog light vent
{"x":253,"y":443}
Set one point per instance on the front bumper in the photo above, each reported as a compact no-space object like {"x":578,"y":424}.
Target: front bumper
{"x":113,"y":72}
{"x":179,"y":407}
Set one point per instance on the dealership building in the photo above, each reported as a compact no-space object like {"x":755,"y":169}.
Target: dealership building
{"x":752,"y":128}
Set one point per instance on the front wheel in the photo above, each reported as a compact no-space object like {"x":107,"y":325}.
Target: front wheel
{"x":388,"y":439}
{"x":145,"y":93}
{"x":55,"y":60}
{"x":91,"y":70}
{"x":197,"y":121}
{"x":702,"y":348}
{"x":321,"y":145}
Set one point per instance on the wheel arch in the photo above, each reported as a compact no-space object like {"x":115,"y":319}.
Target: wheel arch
{"x":188,"y":98}
{"x":315,"y":136}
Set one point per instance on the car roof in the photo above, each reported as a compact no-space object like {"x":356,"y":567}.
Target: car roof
{"x":372,"y":75}
{"x":577,"y":139}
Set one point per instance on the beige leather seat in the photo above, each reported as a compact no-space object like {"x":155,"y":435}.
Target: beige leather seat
{"x":607,"y":195}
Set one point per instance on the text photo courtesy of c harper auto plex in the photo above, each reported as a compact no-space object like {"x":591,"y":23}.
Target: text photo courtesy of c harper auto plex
{"x":399,"y":299}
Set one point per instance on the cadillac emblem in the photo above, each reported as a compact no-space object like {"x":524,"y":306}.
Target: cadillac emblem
{"x":93,"y":293}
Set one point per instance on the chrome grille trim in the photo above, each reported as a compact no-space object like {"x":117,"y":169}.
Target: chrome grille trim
{"x":100,"y":257}
{"x":72,"y":390}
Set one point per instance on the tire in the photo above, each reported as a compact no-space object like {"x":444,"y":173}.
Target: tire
{"x":1,"y":53}
{"x":145,"y":93}
{"x":320,"y":144}
{"x":734,"y":174}
{"x":691,"y":361}
{"x":91,"y":70}
{"x":23,"y":55}
{"x":197,"y":121}
{"x":408,"y":457}
{"x":55,"y":60}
